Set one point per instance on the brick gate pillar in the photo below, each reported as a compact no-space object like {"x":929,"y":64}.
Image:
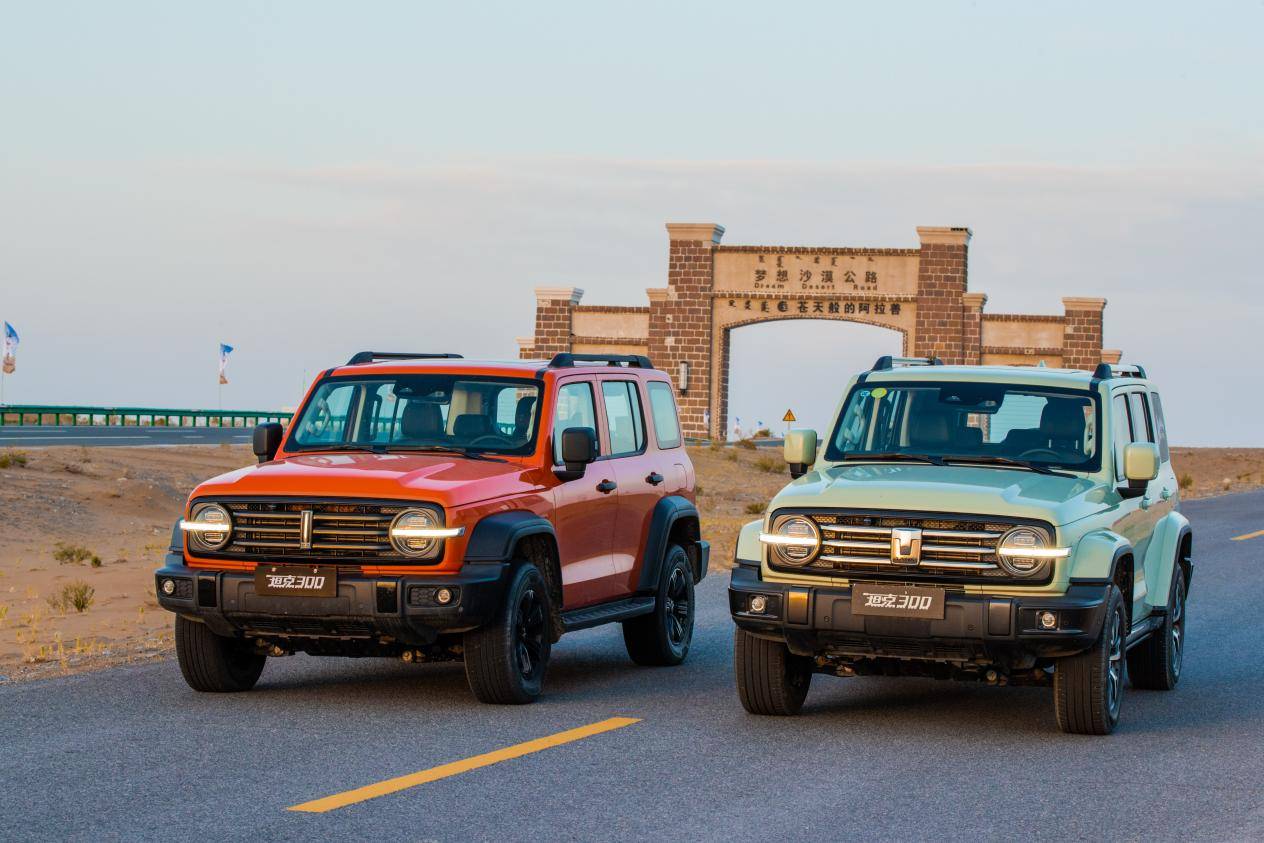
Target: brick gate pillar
{"x":941,"y":287}
{"x":1082,"y":333}
{"x":972,"y":328}
{"x":554,"y":307}
{"x":680,"y":320}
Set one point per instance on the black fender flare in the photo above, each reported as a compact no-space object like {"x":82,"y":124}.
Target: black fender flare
{"x":494,"y":537}
{"x":667,"y":512}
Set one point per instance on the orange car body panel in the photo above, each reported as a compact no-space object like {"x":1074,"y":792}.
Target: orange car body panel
{"x":601,"y":538}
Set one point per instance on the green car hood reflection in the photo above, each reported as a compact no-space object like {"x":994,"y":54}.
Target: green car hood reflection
{"x":971,"y":490}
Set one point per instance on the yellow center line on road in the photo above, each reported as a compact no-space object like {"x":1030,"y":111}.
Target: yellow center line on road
{"x":455,"y":768}
{"x":1246,"y":536}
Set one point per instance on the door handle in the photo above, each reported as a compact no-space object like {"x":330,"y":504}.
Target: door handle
{"x":654,"y":478}
{"x":607,"y":486}
{"x":1166,"y":493}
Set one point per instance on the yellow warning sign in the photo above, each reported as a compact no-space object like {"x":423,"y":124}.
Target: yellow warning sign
{"x":789,"y":416}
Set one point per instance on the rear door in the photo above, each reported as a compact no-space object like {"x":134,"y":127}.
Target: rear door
{"x":583,"y":515}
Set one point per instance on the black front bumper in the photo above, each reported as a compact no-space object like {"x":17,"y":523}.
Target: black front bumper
{"x":401,"y":608}
{"x":818,"y":620}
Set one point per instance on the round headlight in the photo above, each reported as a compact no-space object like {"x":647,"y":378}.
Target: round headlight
{"x":801,"y":538}
{"x":415,"y":520}
{"x":1010,"y":552}
{"x":209,"y":518}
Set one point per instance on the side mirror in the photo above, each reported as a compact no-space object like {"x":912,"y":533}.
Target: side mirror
{"x":579,"y":448}
{"x":267,"y":440}
{"x":800,"y":451}
{"x":1141,"y":465}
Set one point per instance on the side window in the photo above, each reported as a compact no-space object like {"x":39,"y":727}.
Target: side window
{"x":1121,"y":433}
{"x":1160,"y":428}
{"x":1141,"y":431}
{"x":624,"y":423}
{"x":663,"y":409}
{"x":575,"y":408}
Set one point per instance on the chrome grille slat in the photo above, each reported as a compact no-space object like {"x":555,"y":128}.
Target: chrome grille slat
{"x":340,"y":530}
{"x":953,"y":547}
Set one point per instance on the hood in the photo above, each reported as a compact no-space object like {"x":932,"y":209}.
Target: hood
{"x":971,"y":490}
{"x":440,"y":478}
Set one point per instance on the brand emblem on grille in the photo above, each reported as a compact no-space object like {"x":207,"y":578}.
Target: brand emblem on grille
{"x":305,"y":530}
{"x":906,"y":545}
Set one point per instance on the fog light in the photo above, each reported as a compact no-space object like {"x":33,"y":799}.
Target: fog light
{"x":1048,"y":620}
{"x":758,"y":604}
{"x":168,"y":587}
{"x":443,"y":596}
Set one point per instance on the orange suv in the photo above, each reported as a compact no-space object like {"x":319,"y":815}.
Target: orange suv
{"x":427,"y":507}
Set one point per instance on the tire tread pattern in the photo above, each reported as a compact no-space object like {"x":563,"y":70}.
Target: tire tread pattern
{"x":766,"y":672}
{"x":212,"y":663}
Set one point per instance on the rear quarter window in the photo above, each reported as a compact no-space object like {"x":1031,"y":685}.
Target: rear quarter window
{"x":663,"y":412}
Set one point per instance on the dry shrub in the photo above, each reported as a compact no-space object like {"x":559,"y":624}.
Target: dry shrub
{"x":13,"y":459}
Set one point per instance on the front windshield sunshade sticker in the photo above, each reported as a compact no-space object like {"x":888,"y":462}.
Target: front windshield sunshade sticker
{"x":879,"y":393}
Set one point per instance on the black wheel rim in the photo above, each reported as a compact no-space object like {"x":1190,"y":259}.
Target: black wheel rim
{"x":1115,"y":667}
{"x":678,"y":608}
{"x":529,"y":634}
{"x":1176,"y":646}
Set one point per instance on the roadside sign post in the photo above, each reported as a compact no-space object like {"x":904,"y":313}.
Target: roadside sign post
{"x":788,"y":418}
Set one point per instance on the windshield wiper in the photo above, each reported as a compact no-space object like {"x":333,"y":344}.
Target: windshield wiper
{"x":984,"y":459}
{"x":893,"y":455}
{"x":372,"y":449}
{"x":448,"y":449}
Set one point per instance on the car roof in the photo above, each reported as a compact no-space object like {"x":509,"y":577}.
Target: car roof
{"x":1032,"y":375}
{"x":460,"y":365}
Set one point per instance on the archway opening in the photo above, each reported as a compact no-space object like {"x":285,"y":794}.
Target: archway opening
{"x":802,"y":365}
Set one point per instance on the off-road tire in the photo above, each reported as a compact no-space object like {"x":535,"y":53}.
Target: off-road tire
{"x":214,"y":663}
{"x":770,"y":679}
{"x":1155,"y":663}
{"x":505,"y":661}
{"x":1088,"y":687}
{"x":662,"y":637}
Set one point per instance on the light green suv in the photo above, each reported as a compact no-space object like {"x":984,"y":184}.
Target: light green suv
{"x":1009,"y":524}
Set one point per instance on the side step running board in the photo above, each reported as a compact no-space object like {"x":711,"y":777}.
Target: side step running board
{"x":1144,"y":628}
{"x":619,"y":610}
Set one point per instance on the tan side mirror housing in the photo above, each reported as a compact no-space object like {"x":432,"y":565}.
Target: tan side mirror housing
{"x":800,"y":451}
{"x":1141,"y":465}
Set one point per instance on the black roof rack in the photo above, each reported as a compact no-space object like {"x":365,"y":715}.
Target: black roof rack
{"x":886,"y":362}
{"x":568,"y":359}
{"x":370,"y":356}
{"x":1106,"y":371}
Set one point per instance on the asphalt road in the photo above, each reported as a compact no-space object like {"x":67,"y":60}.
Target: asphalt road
{"x":132,"y":753}
{"x":35,"y":436}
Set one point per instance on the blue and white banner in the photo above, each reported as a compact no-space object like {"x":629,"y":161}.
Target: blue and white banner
{"x":10,"y":349}
{"x":224,"y":351}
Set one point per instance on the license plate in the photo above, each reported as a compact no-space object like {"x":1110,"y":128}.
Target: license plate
{"x":296,"y":581}
{"x":897,"y":601}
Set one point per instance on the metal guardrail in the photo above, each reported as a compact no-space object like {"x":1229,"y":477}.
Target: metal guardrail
{"x":50,"y":415}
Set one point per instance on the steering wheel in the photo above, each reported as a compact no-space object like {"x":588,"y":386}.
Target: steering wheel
{"x":493,"y":439}
{"x":1025,"y":455}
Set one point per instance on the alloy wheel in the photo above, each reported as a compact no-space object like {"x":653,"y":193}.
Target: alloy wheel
{"x":1176,"y":650}
{"x":1115,"y":668}
{"x":529,"y":633}
{"x":678,"y":607}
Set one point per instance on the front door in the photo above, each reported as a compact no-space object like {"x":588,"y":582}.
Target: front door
{"x":584,"y":514}
{"x":641,"y":472}
{"x":1138,"y":516}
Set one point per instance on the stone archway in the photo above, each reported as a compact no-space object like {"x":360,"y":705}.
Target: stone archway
{"x":712,"y":289}
{"x":723,"y":327}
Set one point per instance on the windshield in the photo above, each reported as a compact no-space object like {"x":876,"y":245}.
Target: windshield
{"x":978,"y":422}
{"x":419,"y":411}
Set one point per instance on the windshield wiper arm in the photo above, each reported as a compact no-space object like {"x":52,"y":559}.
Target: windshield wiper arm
{"x":372,"y":449}
{"x":448,"y":449}
{"x":983,"y":459}
{"x":893,"y":455}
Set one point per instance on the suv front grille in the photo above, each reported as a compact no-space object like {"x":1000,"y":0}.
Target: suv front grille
{"x":953,"y":548}
{"x":349,"y":531}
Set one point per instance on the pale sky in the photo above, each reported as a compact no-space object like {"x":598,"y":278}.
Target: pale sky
{"x":304,"y":180}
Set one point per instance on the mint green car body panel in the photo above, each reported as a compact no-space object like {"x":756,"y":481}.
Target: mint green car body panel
{"x":1089,"y":514}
